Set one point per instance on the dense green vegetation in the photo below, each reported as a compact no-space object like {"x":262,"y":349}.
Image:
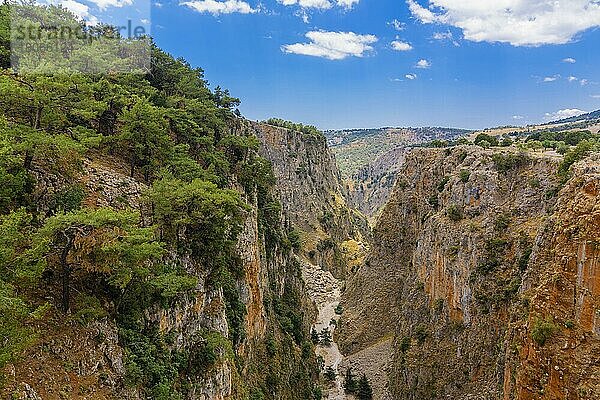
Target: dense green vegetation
{"x":542,"y":330}
{"x":61,"y":255}
{"x":308,"y":130}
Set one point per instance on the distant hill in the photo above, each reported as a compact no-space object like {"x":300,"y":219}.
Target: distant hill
{"x":370,"y":158}
{"x":584,"y":117}
{"x":356,"y":148}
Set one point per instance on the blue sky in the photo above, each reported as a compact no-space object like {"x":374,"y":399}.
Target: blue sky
{"x":462,"y":63}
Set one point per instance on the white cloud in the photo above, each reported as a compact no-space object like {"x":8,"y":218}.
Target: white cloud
{"x":411,"y":77}
{"x":320,"y":4}
{"x":551,"y":78}
{"x":442,"y":35}
{"x":399,"y":45}
{"x":218,"y":7}
{"x":517,"y":117}
{"x":80,"y":10}
{"x":399,"y":26}
{"x":518,"y":22}
{"x":595,"y":96}
{"x":421,"y":13}
{"x":104,"y":4}
{"x":569,"y":60}
{"x":562,"y":114}
{"x":332,"y":45}
{"x":582,"y":82}
{"x":423,"y":64}
{"x":347,"y":3}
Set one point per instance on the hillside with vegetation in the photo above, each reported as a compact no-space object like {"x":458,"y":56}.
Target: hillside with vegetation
{"x":144,"y":250}
{"x":155,"y":244}
{"x":481,"y":270}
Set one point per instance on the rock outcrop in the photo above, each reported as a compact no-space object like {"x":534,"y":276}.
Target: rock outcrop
{"x":484,"y":275}
{"x":334,"y":235}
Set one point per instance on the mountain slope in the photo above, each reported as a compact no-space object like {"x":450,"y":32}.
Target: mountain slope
{"x":482,"y":272}
{"x":370,"y":158}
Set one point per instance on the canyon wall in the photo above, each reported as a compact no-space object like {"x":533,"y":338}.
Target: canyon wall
{"x":334,"y":235}
{"x":267,"y":352}
{"x":481,"y":280}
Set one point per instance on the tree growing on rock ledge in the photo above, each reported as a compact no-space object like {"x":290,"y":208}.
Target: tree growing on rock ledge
{"x":325,"y":337}
{"x":364,"y":392}
{"x":350,"y":384}
{"x":97,"y":243}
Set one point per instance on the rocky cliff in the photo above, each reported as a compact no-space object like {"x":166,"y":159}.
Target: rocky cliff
{"x":265,"y":354}
{"x":333,"y":234}
{"x":481,"y":281}
{"x":369,"y":160}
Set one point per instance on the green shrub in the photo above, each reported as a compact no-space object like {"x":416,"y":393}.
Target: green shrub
{"x":307,"y":350}
{"x":488,"y":139}
{"x":454,"y":212}
{"x":506,"y":142}
{"x":524,"y":259}
{"x":508,"y":162}
{"x":563,"y":148}
{"x":405,"y":344}
{"x":68,"y":198}
{"x":502,"y":222}
{"x":542,"y":330}
{"x":88,"y":309}
{"x":421,"y":333}
{"x":295,"y":238}
{"x":465,"y":174}
{"x":309,"y":130}
{"x":433,"y":201}
{"x":271,"y":346}
{"x":442,"y":184}
{"x":569,"y":324}
{"x":534,"y":183}
{"x":330,"y":374}
{"x":257,"y":394}
{"x":574,"y":155}
{"x":317,"y":393}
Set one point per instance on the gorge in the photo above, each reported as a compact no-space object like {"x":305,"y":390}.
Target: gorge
{"x":155,"y":244}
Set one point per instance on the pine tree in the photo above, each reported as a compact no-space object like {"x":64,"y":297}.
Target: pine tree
{"x":330,"y":373}
{"x":350,"y":384}
{"x":364,"y":392}
{"x":314,"y":336}
{"x":325,"y":337}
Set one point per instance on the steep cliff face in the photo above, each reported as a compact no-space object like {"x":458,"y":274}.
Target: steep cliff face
{"x":313,"y":199}
{"x":370,"y":188}
{"x":247,"y":339}
{"x":369,"y":160}
{"x":481,"y":280}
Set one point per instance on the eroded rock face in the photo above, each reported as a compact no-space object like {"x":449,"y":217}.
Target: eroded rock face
{"x":370,"y":188}
{"x":473,"y":257}
{"x":90,"y":360}
{"x":313,"y":199}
